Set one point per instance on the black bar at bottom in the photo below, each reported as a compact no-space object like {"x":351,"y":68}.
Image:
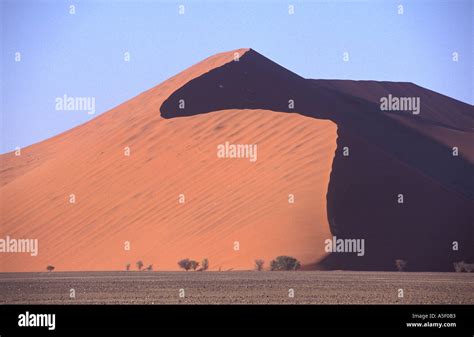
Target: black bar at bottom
{"x":453,"y":319}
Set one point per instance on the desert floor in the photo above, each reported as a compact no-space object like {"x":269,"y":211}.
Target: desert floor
{"x":247,"y":287}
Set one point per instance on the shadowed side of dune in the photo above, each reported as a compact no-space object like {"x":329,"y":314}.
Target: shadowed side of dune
{"x":390,"y":156}
{"x":363,"y":203}
{"x":435,"y":108}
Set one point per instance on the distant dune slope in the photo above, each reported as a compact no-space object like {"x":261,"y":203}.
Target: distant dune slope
{"x":301,"y":127}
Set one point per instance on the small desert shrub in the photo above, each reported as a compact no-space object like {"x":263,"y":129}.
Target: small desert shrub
{"x":204,"y":265}
{"x":128,"y":266}
{"x":50,"y":268}
{"x":149,"y":268}
{"x":185,"y":264}
{"x":468,"y":267}
{"x":139,"y":265}
{"x":462,"y":266}
{"x":401,"y":264}
{"x":259,"y":264}
{"x":285,"y":263}
{"x":193,"y":264}
{"x":458,"y":266}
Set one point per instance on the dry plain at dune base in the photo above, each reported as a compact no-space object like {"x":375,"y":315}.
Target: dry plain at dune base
{"x":238,"y":287}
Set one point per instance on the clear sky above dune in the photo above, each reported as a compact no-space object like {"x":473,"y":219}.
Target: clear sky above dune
{"x":82,"y":54}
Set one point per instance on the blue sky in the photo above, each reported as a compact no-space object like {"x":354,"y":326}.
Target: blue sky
{"x":82,"y":54}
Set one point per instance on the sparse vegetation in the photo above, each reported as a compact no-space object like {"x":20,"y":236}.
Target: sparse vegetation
{"x":140,"y":264}
{"x":285,"y":263}
{"x":458,"y":266}
{"x":462,"y":266}
{"x":193,"y":264}
{"x":185,"y":264}
{"x":401,"y":264}
{"x":149,"y":268}
{"x":259,"y":264}
{"x":128,"y":266}
{"x":204,"y":265}
{"x":50,"y":268}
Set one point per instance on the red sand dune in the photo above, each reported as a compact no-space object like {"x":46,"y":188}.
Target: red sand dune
{"x":174,"y":152}
{"x":135,"y":198}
